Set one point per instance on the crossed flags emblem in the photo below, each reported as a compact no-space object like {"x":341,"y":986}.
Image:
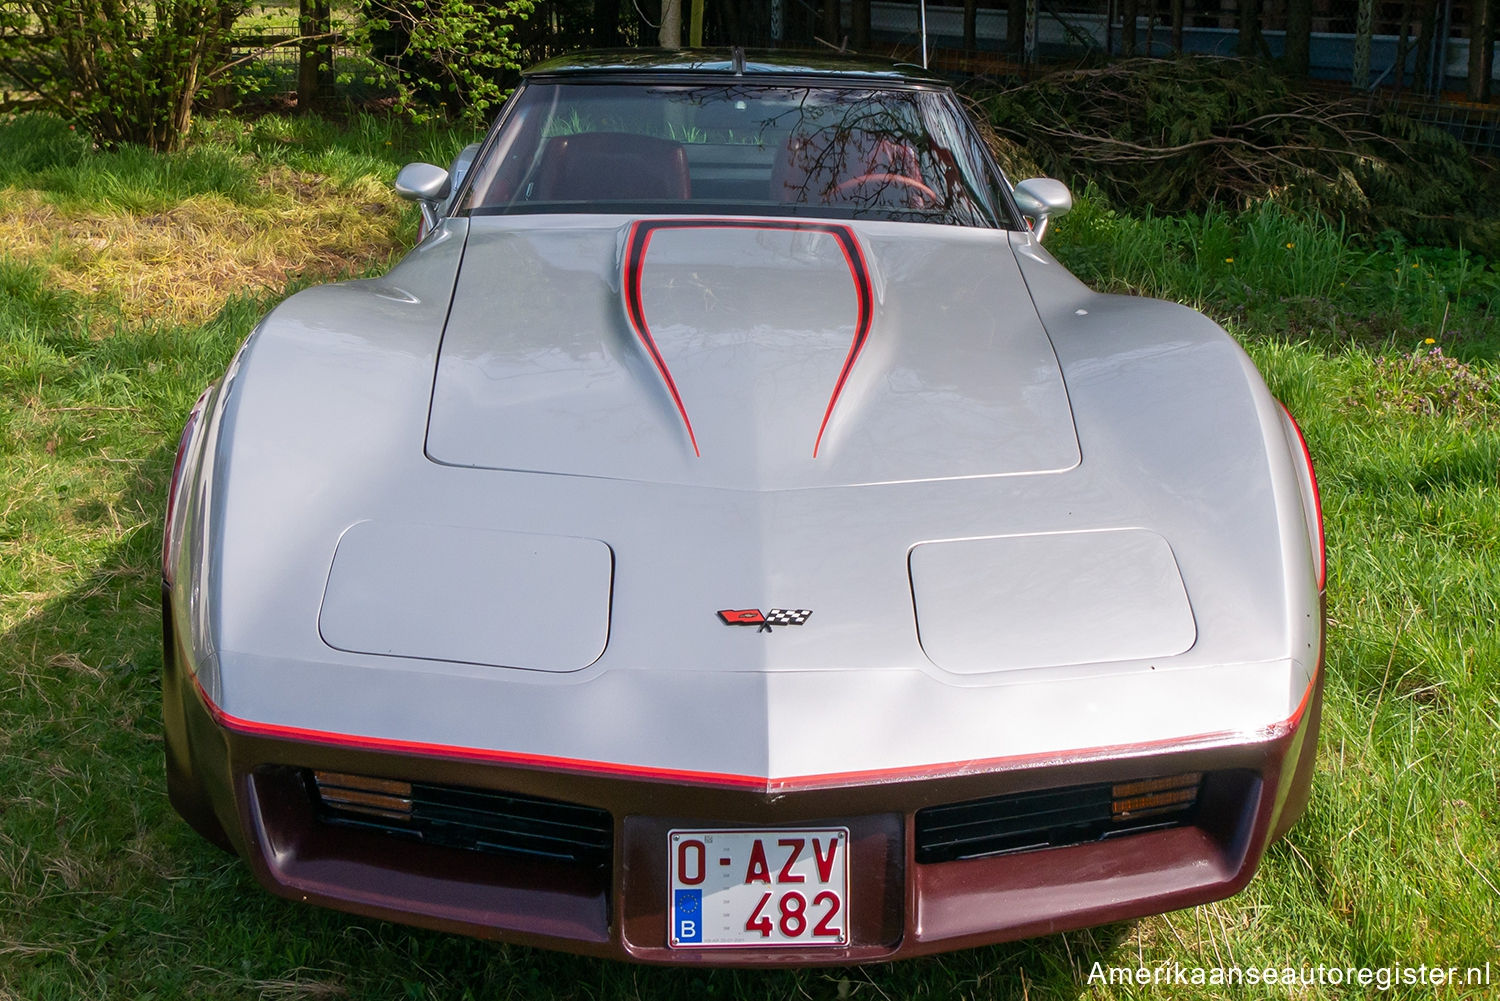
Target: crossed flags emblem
{"x":775,"y":617}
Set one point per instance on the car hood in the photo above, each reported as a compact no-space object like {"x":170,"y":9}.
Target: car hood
{"x":346,"y":583}
{"x":747,"y":354}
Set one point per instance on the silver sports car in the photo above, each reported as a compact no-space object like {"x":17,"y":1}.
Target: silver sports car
{"x":730,"y":537}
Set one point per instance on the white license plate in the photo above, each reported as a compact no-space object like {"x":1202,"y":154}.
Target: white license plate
{"x":758,"y":888}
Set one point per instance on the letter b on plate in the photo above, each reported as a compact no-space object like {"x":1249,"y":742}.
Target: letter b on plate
{"x":688,"y":914}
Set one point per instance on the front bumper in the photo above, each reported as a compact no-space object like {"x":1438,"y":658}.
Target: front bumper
{"x":250,"y":792}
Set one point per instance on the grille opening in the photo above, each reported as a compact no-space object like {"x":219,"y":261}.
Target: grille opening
{"x":1054,"y":818}
{"x":464,"y":817}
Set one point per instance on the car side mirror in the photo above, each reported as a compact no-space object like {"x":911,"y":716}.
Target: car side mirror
{"x":1043,"y":199}
{"x":427,"y":186}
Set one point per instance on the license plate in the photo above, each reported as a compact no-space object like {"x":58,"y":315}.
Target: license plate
{"x":758,"y":888}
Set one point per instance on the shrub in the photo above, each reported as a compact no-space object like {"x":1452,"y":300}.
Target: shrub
{"x":126,"y":69}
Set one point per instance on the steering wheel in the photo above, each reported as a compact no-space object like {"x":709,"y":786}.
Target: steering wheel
{"x":925,"y":195}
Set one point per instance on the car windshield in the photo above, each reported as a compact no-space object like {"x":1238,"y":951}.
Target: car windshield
{"x":862,"y":152}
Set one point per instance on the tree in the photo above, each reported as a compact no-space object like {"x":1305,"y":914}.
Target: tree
{"x":670,"y":33}
{"x":1250,"y":41}
{"x":315,"y":55}
{"x":1364,"y":27}
{"x":1427,"y":14}
{"x":832,"y":31}
{"x":127,"y":70}
{"x":1481,"y":48}
{"x":1298,"y":36}
{"x":459,"y":54}
{"x":606,"y":24}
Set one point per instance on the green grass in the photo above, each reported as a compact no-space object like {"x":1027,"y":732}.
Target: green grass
{"x":171,"y":239}
{"x":226,"y":158}
{"x":105,"y":893}
{"x":1270,"y":274}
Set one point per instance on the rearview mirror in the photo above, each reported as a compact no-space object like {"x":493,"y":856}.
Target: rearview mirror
{"x":1043,"y":199}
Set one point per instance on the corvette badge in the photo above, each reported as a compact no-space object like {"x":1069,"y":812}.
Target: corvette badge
{"x":775,"y":617}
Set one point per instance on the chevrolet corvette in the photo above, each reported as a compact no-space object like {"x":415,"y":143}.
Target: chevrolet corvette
{"x":730,"y":537}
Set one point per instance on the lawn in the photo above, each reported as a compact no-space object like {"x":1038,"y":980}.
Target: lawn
{"x":126,"y":282}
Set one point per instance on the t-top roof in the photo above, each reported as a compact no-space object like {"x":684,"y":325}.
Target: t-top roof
{"x":732,"y":62}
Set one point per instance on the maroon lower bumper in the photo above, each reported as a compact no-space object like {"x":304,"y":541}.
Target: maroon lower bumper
{"x":253,"y":793}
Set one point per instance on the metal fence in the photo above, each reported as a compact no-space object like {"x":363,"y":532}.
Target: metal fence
{"x":1419,"y":46}
{"x":1477,"y":126}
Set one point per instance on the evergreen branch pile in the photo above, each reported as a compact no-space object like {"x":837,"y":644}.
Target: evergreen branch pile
{"x":1180,"y":135}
